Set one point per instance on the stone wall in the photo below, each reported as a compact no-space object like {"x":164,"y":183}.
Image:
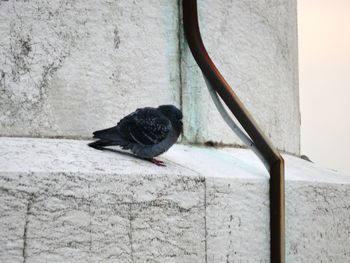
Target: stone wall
{"x":68,"y":68}
{"x":254,"y":45}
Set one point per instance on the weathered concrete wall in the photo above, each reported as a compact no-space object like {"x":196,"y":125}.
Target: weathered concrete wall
{"x":254,"y":45}
{"x":68,"y":68}
{"x":72,"y":203}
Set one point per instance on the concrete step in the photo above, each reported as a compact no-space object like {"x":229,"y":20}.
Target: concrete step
{"x":61,"y":201}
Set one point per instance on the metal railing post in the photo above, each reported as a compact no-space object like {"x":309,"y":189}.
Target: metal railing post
{"x":271,"y":157}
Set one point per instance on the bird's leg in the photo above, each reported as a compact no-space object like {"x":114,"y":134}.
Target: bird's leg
{"x":156,"y":162}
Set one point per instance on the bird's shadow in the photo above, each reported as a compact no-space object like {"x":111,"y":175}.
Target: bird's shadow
{"x":119,"y":151}
{"x":123,"y":153}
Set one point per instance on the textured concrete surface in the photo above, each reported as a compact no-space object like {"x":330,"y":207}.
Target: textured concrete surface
{"x":69,"y":67}
{"x":254,"y":45}
{"x":63,"y":201}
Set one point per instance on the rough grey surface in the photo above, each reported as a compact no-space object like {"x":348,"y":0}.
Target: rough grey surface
{"x":102,"y":218}
{"x":63,"y":201}
{"x":71,"y":207}
{"x":229,"y":223}
{"x":70,"y":67}
{"x":318,"y":222}
{"x":254,"y":45}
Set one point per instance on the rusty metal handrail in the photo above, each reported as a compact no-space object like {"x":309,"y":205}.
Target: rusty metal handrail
{"x":261,"y":142}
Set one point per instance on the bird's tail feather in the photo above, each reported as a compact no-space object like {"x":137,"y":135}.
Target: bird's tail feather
{"x":110,"y":134}
{"x":99,"y":133}
{"x":109,"y":137}
{"x":99,"y":144}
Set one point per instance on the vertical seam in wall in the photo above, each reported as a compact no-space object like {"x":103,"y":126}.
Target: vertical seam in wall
{"x":205,"y":223}
{"x":297,"y":73}
{"x":179,"y":36}
{"x":179,"y":51}
{"x":90,"y":221}
{"x":25,"y":231}
{"x":130,"y":234}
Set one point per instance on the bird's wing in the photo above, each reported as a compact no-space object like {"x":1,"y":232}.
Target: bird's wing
{"x":146,"y":126}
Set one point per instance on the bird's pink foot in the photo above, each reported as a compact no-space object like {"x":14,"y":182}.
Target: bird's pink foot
{"x":157,"y":162}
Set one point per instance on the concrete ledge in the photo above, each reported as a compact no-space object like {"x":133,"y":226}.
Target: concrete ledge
{"x":63,"y":201}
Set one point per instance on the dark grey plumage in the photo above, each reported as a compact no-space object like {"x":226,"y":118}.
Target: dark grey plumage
{"x":147,"y":132}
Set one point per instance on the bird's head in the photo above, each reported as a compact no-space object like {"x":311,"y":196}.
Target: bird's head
{"x":173,"y":113}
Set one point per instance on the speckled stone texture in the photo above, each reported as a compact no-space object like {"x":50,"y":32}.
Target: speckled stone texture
{"x":63,"y":201}
{"x":254,"y":45}
{"x":70,"y":67}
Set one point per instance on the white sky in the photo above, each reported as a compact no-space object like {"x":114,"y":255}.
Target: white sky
{"x":324,"y":81}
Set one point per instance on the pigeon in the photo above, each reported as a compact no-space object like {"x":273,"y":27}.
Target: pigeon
{"x":147,"y":132}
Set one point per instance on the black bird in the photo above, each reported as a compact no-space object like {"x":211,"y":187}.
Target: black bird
{"x":147,"y":132}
